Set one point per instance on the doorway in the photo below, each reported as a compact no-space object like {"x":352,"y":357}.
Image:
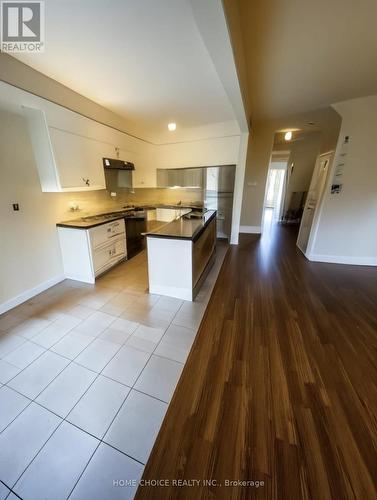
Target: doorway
{"x":275,"y":187}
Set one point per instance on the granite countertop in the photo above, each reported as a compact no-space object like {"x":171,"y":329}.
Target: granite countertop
{"x":183,"y":228}
{"x":94,"y":220}
{"x":97,"y":220}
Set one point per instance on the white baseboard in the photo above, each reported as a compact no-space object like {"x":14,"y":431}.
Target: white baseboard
{"x":172,"y":291}
{"x":341,"y":259}
{"x":250,"y":229}
{"x":28,"y":294}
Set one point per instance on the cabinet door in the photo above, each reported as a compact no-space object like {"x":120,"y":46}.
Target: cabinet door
{"x":162,"y":177}
{"x":107,"y":256}
{"x":193,"y":177}
{"x":79,"y":160}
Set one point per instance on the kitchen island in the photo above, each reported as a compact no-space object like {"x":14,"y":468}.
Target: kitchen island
{"x":180,"y":255}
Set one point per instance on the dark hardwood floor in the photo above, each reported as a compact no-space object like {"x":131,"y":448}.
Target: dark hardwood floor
{"x":280,"y":385}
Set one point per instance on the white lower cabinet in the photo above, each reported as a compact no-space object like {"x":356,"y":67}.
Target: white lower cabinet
{"x":87,"y":253}
{"x":105,"y":257}
{"x":104,"y":233}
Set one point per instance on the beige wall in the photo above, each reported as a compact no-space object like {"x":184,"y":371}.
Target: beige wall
{"x":258,"y":157}
{"x":259,"y":152}
{"x":303,"y":156}
{"x":347,"y":228}
{"x":29,"y":251}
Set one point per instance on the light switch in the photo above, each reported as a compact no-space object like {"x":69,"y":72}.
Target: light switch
{"x":16,"y":207}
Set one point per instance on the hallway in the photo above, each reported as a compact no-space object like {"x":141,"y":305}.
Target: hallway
{"x":280,"y":386}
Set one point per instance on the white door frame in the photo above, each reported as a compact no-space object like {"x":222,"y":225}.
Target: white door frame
{"x":318,"y":207}
{"x":284,"y":157}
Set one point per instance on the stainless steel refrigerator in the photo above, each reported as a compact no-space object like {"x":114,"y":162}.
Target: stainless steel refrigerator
{"x":216,"y":183}
{"x":218,"y":195}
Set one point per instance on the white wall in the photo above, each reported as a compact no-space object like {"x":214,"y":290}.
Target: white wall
{"x":207,"y":152}
{"x":225,"y":150}
{"x":347,"y":228}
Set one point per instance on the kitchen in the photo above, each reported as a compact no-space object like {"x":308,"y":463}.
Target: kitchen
{"x":157,"y":339}
{"x":92,"y":341}
{"x":121,"y":180}
{"x":90,"y":244}
{"x":105,"y":272}
{"x":110,"y":238}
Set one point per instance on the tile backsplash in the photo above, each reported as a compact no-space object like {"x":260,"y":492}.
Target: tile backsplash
{"x":99,"y":201}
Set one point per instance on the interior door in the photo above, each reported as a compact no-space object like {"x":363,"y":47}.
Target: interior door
{"x":315,"y":192}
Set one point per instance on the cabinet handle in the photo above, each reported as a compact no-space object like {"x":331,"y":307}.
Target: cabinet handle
{"x":86,"y":181}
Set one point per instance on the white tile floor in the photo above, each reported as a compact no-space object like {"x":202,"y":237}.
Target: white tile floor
{"x":86,"y":376}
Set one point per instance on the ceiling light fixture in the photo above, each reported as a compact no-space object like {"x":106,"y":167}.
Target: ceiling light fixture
{"x":172,"y":126}
{"x":288,"y":136}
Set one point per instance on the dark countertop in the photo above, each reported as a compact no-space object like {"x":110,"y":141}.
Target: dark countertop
{"x":93,"y":221}
{"x":182,"y":228}
{"x":97,"y":220}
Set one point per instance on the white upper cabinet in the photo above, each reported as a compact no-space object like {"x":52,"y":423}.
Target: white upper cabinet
{"x":79,"y":160}
{"x":66,"y":161}
{"x":144,"y":177}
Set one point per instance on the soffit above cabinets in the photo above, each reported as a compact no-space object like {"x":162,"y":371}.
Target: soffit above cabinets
{"x":71,"y":147}
{"x":70,"y":161}
{"x":157,"y":66}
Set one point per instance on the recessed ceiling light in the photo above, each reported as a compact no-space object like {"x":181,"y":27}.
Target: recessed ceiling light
{"x":288,"y":136}
{"x":172,"y":126}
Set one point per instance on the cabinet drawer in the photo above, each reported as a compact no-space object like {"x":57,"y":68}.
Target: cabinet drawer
{"x":103,"y":234}
{"x":107,"y":256}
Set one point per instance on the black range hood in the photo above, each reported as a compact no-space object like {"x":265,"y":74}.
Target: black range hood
{"x":116,"y":164}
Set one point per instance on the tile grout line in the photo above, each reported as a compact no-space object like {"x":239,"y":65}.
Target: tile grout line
{"x":62,"y":419}
{"x":34,"y":401}
{"x":98,"y":374}
{"x":101,"y":440}
{"x":10,"y":490}
{"x":41,"y":346}
{"x":9,"y":332}
{"x":121,"y":406}
{"x":53,"y":352}
{"x":84,"y":469}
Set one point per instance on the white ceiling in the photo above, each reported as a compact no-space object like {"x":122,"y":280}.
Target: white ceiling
{"x":307,"y":54}
{"x":143,"y":59}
